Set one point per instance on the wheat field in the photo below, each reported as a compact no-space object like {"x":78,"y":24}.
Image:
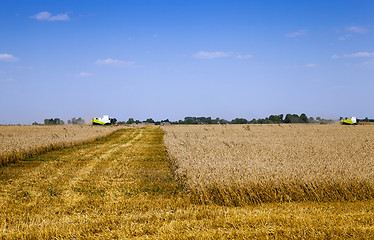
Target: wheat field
{"x":246,"y":164}
{"x":17,"y":142}
{"x":122,"y":187}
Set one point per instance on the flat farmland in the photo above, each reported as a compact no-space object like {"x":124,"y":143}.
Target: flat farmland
{"x":246,"y":164}
{"x":131,"y":185}
{"x":17,"y":142}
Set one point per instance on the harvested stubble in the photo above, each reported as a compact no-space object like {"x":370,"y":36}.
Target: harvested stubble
{"x":246,"y":164}
{"x":18,"y":142}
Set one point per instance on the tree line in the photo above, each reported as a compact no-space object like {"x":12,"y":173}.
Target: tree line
{"x":58,"y":121}
{"x":272,"y":119}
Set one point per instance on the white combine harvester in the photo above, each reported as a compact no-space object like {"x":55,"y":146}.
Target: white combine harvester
{"x":105,"y":120}
{"x":349,"y":121}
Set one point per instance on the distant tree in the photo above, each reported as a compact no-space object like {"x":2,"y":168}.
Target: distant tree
{"x":303,"y":118}
{"x":190,"y":120}
{"x":223,"y":121}
{"x":113,"y":120}
{"x":287,"y":119}
{"x":150,"y":120}
{"x":130,"y":121}
{"x":292,"y":118}
{"x":276,"y":118}
{"x":76,"y":121}
{"x":239,"y":121}
{"x":52,"y":121}
{"x":253,"y":121}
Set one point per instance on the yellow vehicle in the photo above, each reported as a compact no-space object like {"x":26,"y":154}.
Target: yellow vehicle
{"x":349,"y":121}
{"x":105,"y":120}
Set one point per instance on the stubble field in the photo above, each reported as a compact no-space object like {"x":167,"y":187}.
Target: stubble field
{"x":146,"y":183}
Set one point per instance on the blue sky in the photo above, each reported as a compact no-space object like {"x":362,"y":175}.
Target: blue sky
{"x":171,"y":59}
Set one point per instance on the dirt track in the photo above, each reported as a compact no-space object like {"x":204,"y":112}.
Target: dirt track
{"x":86,"y":191}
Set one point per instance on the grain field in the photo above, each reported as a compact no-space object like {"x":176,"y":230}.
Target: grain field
{"x":17,"y":142}
{"x":122,"y":187}
{"x":246,"y":164}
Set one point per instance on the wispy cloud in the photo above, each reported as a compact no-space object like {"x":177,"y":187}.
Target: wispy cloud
{"x":356,"y":29}
{"x":367,"y":64}
{"x":7,"y":57}
{"x":85,"y":74}
{"x":311,"y":65}
{"x":299,"y":33}
{"x":246,"y":56}
{"x":116,"y":62}
{"x":352,"y":30}
{"x":211,"y":55}
{"x":46,"y":16}
{"x":354,"y":55}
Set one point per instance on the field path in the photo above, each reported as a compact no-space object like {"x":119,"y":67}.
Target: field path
{"x":89,"y":190}
{"x":121,"y":187}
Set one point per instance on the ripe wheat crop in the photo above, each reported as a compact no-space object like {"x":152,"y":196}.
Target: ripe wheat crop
{"x":17,"y":142}
{"x":246,"y":164}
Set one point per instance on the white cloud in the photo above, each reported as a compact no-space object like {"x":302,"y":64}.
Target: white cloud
{"x":108,"y":61}
{"x":311,"y":65}
{"x":211,"y":55}
{"x":356,"y":29}
{"x":7,"y":57}
{"x":46,"y":16}
{"x":354,"y":55}
{"x":244,"y":56}
{"x":85,"y":74}
{"x":299,"y":33}
{"x":116,"y":62}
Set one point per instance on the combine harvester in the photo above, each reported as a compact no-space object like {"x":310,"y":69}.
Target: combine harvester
{"x":105,"y":120}
{"x":351,"y":121}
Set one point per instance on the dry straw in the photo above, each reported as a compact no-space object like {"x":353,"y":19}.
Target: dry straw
{"x":249,"y":164}
{"x":18,"y":142}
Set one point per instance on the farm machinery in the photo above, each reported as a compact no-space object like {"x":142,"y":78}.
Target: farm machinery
{"x":105,"y":120}
{"x":351,"y":121}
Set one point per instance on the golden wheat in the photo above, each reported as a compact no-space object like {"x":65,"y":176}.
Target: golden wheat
{"x":121,"y":187}
{"x":241,"y":164}
{"x":17,"y":142}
